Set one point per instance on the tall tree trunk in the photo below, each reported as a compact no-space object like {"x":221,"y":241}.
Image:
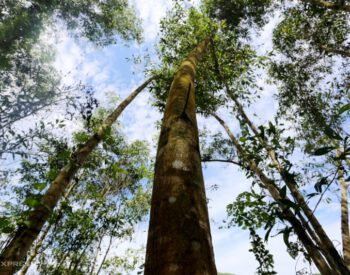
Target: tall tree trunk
{"x":344,"y":214}
{"x":310,"y":247}
{"x":179,"y":239}
{"x":12,"y":256}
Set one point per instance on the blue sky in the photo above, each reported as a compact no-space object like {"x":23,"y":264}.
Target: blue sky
{"x":108,"y":71}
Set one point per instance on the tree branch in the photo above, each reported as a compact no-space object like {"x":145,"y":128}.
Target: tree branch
{"x":223,"y":160}
{"x":329,"y":5}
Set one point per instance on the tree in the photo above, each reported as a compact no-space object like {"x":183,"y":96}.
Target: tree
{"x":98,"y":21}
{"x":179,"y":239}
{"x":29,"y":82}
{"x":28,"y":232}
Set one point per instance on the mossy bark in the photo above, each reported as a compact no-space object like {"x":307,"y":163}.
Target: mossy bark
{"x":179,"y":239}
{"x":12,"y":256}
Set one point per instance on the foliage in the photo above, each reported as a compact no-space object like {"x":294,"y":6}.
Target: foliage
{"x":98,"y":21}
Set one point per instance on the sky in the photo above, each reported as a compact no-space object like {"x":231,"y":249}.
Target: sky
{"x":108,"y":70}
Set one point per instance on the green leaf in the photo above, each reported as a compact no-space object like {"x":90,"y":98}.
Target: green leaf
{"x":268,"y":233}
{"x":64,"y":155}
{"x":331,"y":133}
{"x":290,"y":204}
{"x":117,"y":169}
{"x":286,"y":234}
{"x":320,"y":183}
{"x":283,"y":191}
{"x":344,"y":108}
{"x":39,"y":186}
{"x":323,"y":150}
{"x":6,"y":225}
{"x":52,"y":174}
{"x":33,"y":201}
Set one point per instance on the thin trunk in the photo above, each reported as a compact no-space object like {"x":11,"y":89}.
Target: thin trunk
{"x":77,"y":261}
{"x":327,"y":246}
{"x":333,"y":50}
{"x":105,"y":256}
{"x":96,"y":255}
{"x":344,"y":215}
{"x":179,"y":239}
{"x":329,"y":5}
{"x":35,"y":250}
{"x":26,"y":234}
{"x":275,"y":193}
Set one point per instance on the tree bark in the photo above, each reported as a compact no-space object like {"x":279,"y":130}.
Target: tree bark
{"x":329,"y":5}
{"x":344,"y":216}
{"x":290,"y":217}
{"x":179,"y":239}
{"x":12,"y":256}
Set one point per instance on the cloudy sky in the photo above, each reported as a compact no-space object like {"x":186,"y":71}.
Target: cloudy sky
{"x":108,"y":70}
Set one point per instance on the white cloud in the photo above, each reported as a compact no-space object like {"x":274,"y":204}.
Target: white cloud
{"x":151,"y":11}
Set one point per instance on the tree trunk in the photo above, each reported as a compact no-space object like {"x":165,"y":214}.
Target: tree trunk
{"x":12,"y":256}
{"x":179,"y":239}
{"x":344,"y":216}
{"x":105,"y":256}
{"x":96,"y":255}
{"x":290,"y":217}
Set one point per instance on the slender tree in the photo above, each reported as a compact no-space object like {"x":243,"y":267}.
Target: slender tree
{"x":276,"y":194}
{"x":179,"y":239}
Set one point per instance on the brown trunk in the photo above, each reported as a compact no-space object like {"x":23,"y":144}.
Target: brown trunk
{"x":179,"y":239}
{"x":275,"y":193}
{"x":345,"y":221}
{"x":344,"y":216}
{"x":13,"y":254}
